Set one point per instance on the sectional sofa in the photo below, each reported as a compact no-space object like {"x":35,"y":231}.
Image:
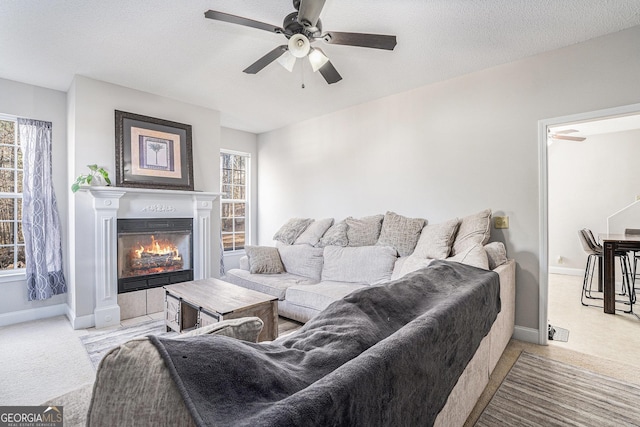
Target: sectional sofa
{"x":316,"y":262}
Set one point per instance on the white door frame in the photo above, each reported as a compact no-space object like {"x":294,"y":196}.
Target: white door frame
{"x":543,"y":125}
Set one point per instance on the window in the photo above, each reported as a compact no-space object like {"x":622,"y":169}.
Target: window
{"x":234,"y":203}
{"x":12,"y":255}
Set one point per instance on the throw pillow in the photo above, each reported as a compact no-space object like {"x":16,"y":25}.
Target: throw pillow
{"x":314,"y":232}
{"x":435,"y":240}
{"x":473,"y":229}
{"x":400,"y":232}
{"x":365,"y":264}
{"x":336,"y":235}
{"x":290,"y":231}
{"x":364,"y":231}
{"x":264,"y":260}
{"x":302,"y":260}
{"x":414,"y":263}
{"x":473,"y":255}
{"x":397,"y":268}
{"x":496,"y":254}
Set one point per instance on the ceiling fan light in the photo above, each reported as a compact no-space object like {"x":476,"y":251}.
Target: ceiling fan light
{"x":299,"y":45}
{"x":288,"y":61}
{"x":317,"y":58}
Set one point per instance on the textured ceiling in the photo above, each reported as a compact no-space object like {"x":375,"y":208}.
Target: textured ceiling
{"x":167,"y":47}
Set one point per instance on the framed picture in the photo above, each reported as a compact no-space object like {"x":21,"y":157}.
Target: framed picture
{"x":153,"y":153}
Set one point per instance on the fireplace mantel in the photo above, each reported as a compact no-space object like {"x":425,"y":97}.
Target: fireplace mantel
{"x":111,"y":203}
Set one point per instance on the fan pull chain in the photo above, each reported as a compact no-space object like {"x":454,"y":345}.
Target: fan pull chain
{"x":302,"y":74}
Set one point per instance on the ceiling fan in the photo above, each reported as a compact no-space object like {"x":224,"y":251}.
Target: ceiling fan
{"x":302,"y":28}
{"x":562,"y":134}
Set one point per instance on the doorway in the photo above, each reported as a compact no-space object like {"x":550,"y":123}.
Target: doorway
{"x":575,"y":127}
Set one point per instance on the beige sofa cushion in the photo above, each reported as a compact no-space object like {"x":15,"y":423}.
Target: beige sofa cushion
{"x":496,"y":254}
{"x":473,"y":255}
{"x":414,"y":263}
{"x":291,"y":230}
{"x":436,"y":240}
{"x":313,"y":233}
{"x":336,"y":235}
{"x":400,"y":232}
{"x":363,"y":264}
{"x":264,"y":260}
{"x":364,"y":231}
{"x":302,"y":260}
{"x":134,"y":387}
{"x":473,"y":229}
{"x":318,"y":297}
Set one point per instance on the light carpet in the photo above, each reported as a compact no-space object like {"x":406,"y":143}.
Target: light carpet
{"x":98,"y":344}
{"x":544,"y":392}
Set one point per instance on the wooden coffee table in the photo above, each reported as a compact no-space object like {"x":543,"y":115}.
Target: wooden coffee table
{"x":199,"y":303}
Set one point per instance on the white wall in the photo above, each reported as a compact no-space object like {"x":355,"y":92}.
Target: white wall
{"x":588,"y":182}
{"x":246,"y":142}
{"x":35,"y":102}
{"x":92,"y":106}
{"x":447,"y":149}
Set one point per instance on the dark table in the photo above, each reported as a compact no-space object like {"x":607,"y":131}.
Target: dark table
{"x":612,"y":243}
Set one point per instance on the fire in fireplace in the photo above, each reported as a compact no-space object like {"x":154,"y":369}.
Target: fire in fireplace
{"x":158,"y":256}
{"x":154,"y":252}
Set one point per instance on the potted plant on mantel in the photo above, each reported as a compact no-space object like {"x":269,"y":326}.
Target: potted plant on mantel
{"x":96,"y":176}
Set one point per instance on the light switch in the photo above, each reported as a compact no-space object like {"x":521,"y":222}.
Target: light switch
{"x":501,"y":222}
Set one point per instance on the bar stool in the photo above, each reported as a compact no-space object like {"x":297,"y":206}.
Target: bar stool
{"x":594,"y":253}
{"x":634,"y":254}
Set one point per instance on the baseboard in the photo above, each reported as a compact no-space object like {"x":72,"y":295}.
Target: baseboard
{"x":566,"y":271}
{"x":81,"y":322}
{"x":526,"y":334}
{"x":33,"y":314}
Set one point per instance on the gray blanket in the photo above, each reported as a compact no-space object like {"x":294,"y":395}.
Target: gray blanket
{"x":384,"y":355}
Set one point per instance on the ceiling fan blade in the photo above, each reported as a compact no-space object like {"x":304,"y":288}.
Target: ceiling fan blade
{"x":568,"y":138}
{"x":221,"y":16}
{"x":330,"y":73}
{"x":376,"y":41}
{"x":266,"y":60}
{"x":309,"y":12}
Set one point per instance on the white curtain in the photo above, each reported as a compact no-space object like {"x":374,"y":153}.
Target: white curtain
{"x":40,"y":218}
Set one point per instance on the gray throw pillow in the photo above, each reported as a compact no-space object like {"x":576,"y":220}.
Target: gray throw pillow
{"x":400,"y":232}
{"x":473,"y":255}
{"x":496,"y":254}
{"x":364,"y":231}
{"x":314,"y":232}
{"x":336,"y":235}
{"x":290,"y":231}
{"x":436,"y":239}
{"x":473,"y":229}
{"x":264,"y":260}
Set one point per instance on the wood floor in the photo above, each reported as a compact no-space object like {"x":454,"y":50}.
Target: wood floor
{"x":286,"y":326}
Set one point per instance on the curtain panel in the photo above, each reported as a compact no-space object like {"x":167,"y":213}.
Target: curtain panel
{"x":40,"y":218}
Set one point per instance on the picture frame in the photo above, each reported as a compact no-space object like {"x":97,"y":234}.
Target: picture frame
{"x":153,"y":153}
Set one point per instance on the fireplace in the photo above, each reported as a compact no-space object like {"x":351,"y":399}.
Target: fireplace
{"x":154,"y":252}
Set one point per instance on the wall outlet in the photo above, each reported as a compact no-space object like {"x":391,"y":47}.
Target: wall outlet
{"x":501,"y":222}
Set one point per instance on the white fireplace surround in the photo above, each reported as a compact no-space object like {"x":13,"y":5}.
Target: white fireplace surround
{"x":112,"y":203}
